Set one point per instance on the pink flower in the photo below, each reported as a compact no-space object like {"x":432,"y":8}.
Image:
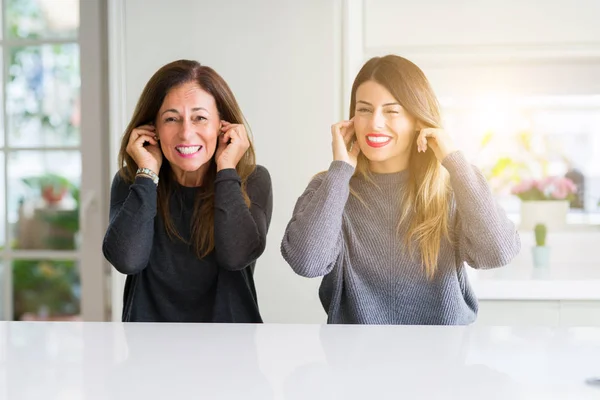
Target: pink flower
{"x":523,"y":186}
{"x":548,"y":188}
{"x":561,"y":188}
{"x":543,"y":183}
{"x":559,"y":193}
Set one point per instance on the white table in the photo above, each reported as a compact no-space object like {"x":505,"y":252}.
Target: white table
{"x":247,"y":362}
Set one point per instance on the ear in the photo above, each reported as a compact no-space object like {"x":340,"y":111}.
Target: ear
{"x":155,"y":130}
{"x":418,"y":126}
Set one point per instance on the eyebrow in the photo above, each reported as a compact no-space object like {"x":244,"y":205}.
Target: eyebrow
{"x":177,"y":112}
{"x":385,"y":105}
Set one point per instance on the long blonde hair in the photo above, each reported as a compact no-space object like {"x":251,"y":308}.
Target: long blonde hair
{"x":426,"y":202}
{"x":166,"y":78}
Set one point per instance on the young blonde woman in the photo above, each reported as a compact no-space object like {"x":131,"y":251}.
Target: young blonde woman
{"x":392,"y":222}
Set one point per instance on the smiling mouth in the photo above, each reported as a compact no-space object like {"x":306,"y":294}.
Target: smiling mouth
{"x":188,"y":150}
{"x":379,"y":140}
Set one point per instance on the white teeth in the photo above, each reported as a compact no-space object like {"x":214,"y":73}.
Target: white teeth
{"x":378,"y":139}
{"x":188,"y":150}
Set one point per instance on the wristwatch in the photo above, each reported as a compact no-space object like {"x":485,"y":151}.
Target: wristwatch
{"x":149,"y":173}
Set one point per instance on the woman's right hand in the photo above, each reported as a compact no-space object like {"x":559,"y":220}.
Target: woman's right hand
{"x":344,"y":145}
{"x":149,"y":156}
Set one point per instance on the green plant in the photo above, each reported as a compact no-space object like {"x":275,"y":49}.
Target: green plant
{"x":56,"y":183}
{"x":540,"y":234}
{"x":549,"y":188}
{"x":50,"y":285}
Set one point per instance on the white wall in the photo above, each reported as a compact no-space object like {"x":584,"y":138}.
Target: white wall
{"x":390,"y":23}
{"x":474,"y":47}
{"x":282,"y":60}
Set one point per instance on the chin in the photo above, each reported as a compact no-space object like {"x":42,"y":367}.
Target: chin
{"x":377,"y":156}
{"x":189,"y":165}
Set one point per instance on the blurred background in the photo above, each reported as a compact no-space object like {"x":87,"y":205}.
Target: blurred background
{"x":518,"y":82}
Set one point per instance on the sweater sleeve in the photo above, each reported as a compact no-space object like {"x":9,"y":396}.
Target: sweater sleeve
{"x":129,"y":237}
{"x":313,"y":238}
{"x":486,"y":237}
{"x":241,"y":231}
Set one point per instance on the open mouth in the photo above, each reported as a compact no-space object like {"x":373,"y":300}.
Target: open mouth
{"x":377,"y":140}
{"x":188,"y":150}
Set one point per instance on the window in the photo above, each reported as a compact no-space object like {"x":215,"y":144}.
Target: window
{"x":517,"y":138}
{"x":40,"y":159}
{"x":530,"y":137}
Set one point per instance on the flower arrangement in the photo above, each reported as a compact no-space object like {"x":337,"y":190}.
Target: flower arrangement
{"x":549,"y":188}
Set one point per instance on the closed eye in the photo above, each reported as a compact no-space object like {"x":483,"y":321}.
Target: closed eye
{"x":364,"y":110}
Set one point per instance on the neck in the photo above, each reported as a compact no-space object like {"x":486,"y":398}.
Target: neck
{"x":391,"y":165}
{"x":190,"y":178}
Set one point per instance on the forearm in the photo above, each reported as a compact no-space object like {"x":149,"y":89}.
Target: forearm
{"x":240,"y":231}
{"x":128,"y":241}
{"x":312,"y":242}
{"x":487,"y":237}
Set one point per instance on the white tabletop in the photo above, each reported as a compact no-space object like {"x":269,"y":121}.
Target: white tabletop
{"x":251,"y":362}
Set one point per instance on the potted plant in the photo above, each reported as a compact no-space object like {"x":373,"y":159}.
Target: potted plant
{"x":545,"y":201}
{"x":541,"y":252}
{"x":52,"y":187}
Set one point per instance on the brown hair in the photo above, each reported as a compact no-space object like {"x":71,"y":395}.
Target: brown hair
{"x":426,"y":202}
{"x":166,"y":78}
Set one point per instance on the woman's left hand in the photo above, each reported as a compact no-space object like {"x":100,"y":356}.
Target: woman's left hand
{"x":232,"y":144}
{"x":438,"y":140}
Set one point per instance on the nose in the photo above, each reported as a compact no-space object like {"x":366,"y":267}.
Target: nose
{"x":187,"y":129}
{"x":378,"y":120}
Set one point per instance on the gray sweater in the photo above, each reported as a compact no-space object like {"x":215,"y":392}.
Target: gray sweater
{"x":369,"y":275}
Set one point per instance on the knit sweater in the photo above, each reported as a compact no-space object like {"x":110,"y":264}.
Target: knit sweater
{"x":166,"y":281}
{"x":370,"y":277}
